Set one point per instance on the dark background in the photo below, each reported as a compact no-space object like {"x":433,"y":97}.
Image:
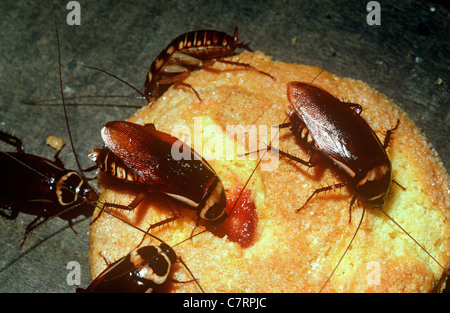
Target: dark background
{"x":406,"y":58}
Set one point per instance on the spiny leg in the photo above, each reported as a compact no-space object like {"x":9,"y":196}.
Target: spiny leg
{"x":389,"y":132}
{"x":133,"y":205}
{"x":183,"y":84}
{"x":177,"y":81}
{"x":12,"y":140}
{"x":387,"y":138}
{"x":175,"y":215}
{"x":313,"y":161}
{"x":323,"y":189}
{"x":139,"y":198}
{"x":34,"y":224}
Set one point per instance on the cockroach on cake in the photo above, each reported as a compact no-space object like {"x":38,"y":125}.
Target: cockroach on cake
{"x":142,"y":156}
{"x":190,"y":51}
{"x":150,"y":161}
{"x":144,"y":269}
{"x":38,"y":186}
{"x":334,"y":131}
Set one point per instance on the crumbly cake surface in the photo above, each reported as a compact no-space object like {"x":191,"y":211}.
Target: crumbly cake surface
{"x":289,"y":251}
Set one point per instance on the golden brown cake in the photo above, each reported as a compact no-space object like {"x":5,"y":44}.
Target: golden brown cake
{"x":285,"y":251}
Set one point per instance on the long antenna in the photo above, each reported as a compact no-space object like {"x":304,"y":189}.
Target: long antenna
{"x":64,"y":103}
{"x":346,"y":249}
{"x":51,"y":102}
{"x":118,"y":78}
{"x":412,"y":238}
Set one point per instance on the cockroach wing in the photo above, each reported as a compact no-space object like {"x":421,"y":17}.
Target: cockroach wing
{"x":130,"y":143}
{"x":141,"y":270}
{"x":339,"y":132}
{"x":148,"y":153}
{"x":103,"y":283}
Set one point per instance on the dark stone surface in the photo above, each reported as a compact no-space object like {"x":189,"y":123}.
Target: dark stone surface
{"x":406,"y":58}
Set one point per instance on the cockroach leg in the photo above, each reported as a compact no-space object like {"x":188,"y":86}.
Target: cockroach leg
{"x":323,"y":189}
{"x":313,"y":161}
{"x":179,"y":84}
{"x":352,"y":202}
{"x":134,"y":204}
{"x":388,"y":135}
{"x":104,"y":259}
{"x":397,"y":183}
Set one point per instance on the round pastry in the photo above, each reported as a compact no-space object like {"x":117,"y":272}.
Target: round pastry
{"x":266,"y":245}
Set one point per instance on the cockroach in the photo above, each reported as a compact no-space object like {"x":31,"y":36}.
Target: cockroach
{"x":190,"y":51}
{"x":143,"y":269}
{"x":142,"y":156}
{"x":38,"y":186}
{"x":335,"y":131}
{"x":47,"y":195}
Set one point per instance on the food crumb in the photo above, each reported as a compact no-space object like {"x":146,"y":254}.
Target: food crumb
{"x":55,"y":142}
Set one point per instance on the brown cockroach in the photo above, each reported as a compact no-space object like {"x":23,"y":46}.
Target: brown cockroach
{"x":190,"y":51}
{"x":37,"y":186}
{"x":142,"y":156}
{"x":334,"y":131}
{"x":144,"y":269}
